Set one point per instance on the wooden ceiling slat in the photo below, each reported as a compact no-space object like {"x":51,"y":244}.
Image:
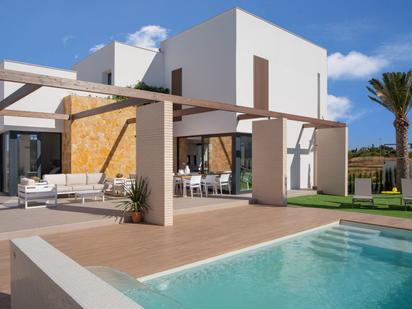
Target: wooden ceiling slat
{"x":190,"y":111}
{"x":17,"y":113}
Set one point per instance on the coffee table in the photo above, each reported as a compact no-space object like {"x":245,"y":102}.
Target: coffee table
{"x":89,"y":193}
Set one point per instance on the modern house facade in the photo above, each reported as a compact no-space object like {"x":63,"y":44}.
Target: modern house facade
{"x":235,"y":58}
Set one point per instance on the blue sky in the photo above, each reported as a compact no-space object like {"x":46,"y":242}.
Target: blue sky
{"x":363,"y":39}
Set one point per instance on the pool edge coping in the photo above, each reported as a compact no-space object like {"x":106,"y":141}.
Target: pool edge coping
{"x":372,"y":225}
{"x":234,"y":252}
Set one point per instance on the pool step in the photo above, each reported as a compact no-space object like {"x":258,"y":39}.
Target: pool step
{"x":335,"y":256}
{"x":347,"y":235}
{"x":356,"y":230}
{"x":327,"y":245}
{"x":342,"y":242}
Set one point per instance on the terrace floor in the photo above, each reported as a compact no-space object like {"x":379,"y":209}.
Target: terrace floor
{"x":140,"y":249}
{"x":72,"y":215}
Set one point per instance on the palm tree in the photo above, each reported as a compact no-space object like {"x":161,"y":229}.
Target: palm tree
{"x":394,"y":93}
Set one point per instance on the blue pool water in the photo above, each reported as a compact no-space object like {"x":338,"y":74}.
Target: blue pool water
{"x":337,"y":267}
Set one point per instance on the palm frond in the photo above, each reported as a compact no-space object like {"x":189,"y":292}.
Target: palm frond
{"x":394,"y":92}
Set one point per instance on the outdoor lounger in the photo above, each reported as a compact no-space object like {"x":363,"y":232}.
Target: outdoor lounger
{"x":363,"y":191}
{"x":406,"y":191}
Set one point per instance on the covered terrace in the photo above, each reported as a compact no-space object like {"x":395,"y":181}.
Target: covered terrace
{"x":154,"y":138}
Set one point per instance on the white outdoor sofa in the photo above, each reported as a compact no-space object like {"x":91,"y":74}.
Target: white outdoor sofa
{"x":29,"y":191}
{"x":76,"y":183}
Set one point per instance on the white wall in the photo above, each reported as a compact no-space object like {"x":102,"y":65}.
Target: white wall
{"x":134,"y":64}
{"x":93,"y":67}
{"x":44,"y":99}
{"x":206,"y":54}
{"x":128,"y":65}
{"x":293,"y":67}
{"x":1,"y":96}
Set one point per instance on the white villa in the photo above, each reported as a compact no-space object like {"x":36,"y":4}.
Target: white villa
{"x":234,"y":105}
{"x":235,"y":57}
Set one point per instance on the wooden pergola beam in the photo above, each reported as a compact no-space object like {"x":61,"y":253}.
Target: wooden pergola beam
{"x":310,"y":125}
{"x":249,"y":116}
{"x":17,"y":95}
{"x":190,"y":111}
{"x":131,"y":120}
{"x":65,"y":83}
{"x":16,"y":113}
{"x":109,"y":108}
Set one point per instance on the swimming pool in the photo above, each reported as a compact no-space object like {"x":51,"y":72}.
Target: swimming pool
{"x":336,"y":266}
{"x":339,"y":266}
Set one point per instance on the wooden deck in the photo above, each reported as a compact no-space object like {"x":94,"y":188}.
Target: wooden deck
{"x":145,"y":249}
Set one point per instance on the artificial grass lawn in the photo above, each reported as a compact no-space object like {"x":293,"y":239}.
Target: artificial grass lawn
{"x":387,"y":205}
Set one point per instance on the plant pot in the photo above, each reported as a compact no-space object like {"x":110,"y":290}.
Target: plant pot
{"x":136,"y":217}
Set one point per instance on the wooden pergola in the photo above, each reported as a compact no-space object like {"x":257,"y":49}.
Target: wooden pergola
{"x":135,"y":97}
{"x":154,"y":137}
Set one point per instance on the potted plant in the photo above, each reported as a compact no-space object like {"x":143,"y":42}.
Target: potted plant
{"x":137,"y":199}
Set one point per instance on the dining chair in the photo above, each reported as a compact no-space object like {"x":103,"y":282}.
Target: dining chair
{"x":193,"y":183}
{"x":209,"y":181}
{"x":224,"y":181}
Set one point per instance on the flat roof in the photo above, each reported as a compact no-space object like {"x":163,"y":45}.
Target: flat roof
{"x":112,"y":43}
{"x":251,"y":14}
{"x":39,"y":65}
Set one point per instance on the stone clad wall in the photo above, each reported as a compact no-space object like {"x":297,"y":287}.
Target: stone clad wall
{"x":105,"y":142}
{"x":220,"y":153}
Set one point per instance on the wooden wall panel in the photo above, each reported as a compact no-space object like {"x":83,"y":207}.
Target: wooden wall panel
{"x":260,"y":83}
{"x":177,"y":88}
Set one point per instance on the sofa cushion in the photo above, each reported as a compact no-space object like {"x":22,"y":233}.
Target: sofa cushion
{"x":98,"y":186}
{"x":27,"y":181}
{"x":75,"y":179}
{"x":61,"y":189}
{"x":55,"y":179}
{"x":95,"y":178}
{"x":79,"y":188}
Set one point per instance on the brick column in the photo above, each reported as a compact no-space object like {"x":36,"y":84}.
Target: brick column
{"x":269,"y":162}
{"x":154,"y":151}
{"x":332,"y":160}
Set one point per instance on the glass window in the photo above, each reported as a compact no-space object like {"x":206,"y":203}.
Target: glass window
{"x":6,"y":162}
{"x":31,"y":155}
{"x":245,"y":162}
{"x":109,"y":78}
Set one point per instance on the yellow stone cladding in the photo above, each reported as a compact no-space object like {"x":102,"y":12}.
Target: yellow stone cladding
{"x":220,"y":154}
{"x":101,"y":143}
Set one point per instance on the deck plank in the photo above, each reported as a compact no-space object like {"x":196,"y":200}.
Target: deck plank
{"x":140,"y":249}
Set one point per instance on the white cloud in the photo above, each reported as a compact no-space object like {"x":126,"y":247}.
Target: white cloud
{"x":67,"y":38}
{"x":399,"y":49}
{"x":338,"y":107}
{"x":96,"y":48}
{"x":147,"y":36}
{"x":341,"y":108}
{"x":354,"y":65}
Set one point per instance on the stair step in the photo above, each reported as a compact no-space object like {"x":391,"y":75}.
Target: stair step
{"x":334,"y":246}
{"x":356,"y":230}
{"x":347,"y":235}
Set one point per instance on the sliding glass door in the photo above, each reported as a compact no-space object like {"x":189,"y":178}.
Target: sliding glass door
{"x":28,"y":154}
{"x":245,"y":165}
